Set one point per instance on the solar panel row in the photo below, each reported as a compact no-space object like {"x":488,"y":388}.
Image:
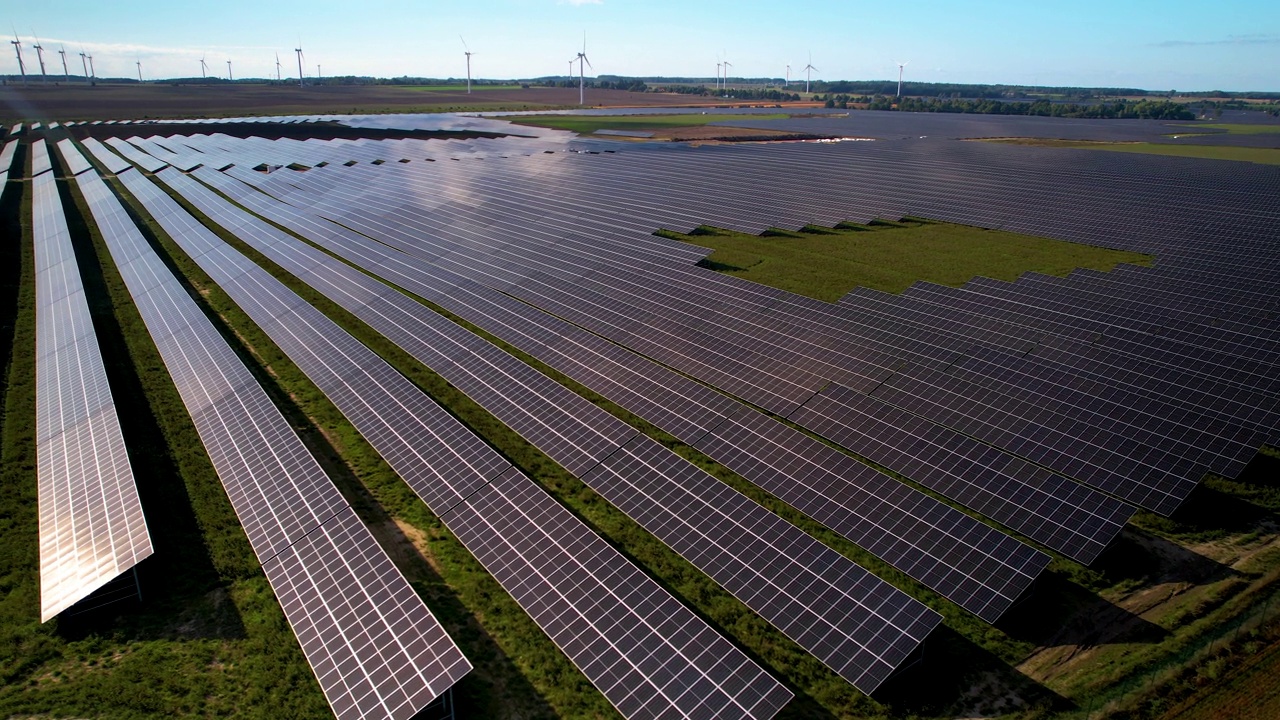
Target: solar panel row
{"x":944,"y":548}
{"x":376,"y":649}
{"x":92,"y":527}
{"x":626,"y":650}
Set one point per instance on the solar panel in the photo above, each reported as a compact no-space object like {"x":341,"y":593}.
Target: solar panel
{"x":40,"y":158}
{"x":374,"y":646}
{"x":92,"y":527}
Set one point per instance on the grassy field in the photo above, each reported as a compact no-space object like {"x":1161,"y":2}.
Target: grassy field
{"x":210,"y":641}
{"x":889,"y":256}
{"x":588,"y":124}
{"x":1266,"y":156}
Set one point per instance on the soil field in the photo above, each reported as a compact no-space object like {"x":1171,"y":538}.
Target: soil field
{"x":108,"y":102}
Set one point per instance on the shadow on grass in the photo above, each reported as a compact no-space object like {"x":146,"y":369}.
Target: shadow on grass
{"x":179,"y":582}
{"x":958,"y":678}
{"x":710,"y":264}
{"x":1061,"y":612}
{"x":1263,"y":470}
{"x":1209,"y":512}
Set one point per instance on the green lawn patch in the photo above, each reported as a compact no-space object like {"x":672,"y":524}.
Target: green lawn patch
{"x":587,"y":124}
{"x":890,"y":256}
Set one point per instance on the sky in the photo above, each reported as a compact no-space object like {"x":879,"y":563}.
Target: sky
{"x":1171,"y":44}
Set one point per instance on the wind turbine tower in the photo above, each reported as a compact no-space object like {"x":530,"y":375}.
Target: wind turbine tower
{"x":66,"y":76}
{"x":901,"y":65}
{"x":298,"y":50}
{"x":582,"y":75}
{"x":139,"y":64}
{"x":467,"y":52}
{"x":17,"y":48}
{"x":92,"y":73}
{"x":84,"y":65}
{"x":229,"y":71}
{"x":277,"y":67}
{"x":204,"y":68}
{"x":317,"y":73}
{"x":808,"y":69}
{"x":40,"y":57}
{"x":727,"y":65}
{"x":788,"y":75}
{"x":718,"y":66}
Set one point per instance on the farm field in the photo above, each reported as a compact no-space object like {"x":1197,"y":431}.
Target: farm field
{"x":1176,"y":618}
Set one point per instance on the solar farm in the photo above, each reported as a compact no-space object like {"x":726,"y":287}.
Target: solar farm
{"x":450,"y":416}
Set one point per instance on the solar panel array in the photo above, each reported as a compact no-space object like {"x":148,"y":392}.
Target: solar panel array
{"x":375,"y":647}
{"x":92,"y":527}
{"x":587,"y":440}
{"x":1159,"y":479}
{"x":981,"y":569}
{"x":648,"y":658}
{"x":1051,"y":406}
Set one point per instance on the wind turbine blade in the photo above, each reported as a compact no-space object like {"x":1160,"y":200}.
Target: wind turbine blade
{"x":464,"y":44}
{"x":588,"y":62}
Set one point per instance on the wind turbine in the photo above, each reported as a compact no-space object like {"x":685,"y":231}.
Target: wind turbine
{"x":727,"y":65}
{"x":317,"y":73}
{"x":17,"y":48}
{"x":788,"y":75}
{"x":92,"y":73}
{"x":229,"y":78}
{"x":718,"y":66}
{"x":298,"y":50}
{"x":582,"y":60}
{"x":139,"y":64}
{"x":204,"y":69}
{"x":807,"y":70}
{"x":277,"y":67}
{"x":901,"y":65}
{"x":40,"y":57}
{"x":84,"y":65}
{"x":66,"y":76}
{"x":467,"y":52}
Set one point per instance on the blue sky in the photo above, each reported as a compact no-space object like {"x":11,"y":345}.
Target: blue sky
{"x":1171,"y":44}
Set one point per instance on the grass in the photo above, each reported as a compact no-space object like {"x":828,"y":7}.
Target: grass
{"x":828,"y":263}
{"x":585,"y":125}
{"x":1266,"y":156}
